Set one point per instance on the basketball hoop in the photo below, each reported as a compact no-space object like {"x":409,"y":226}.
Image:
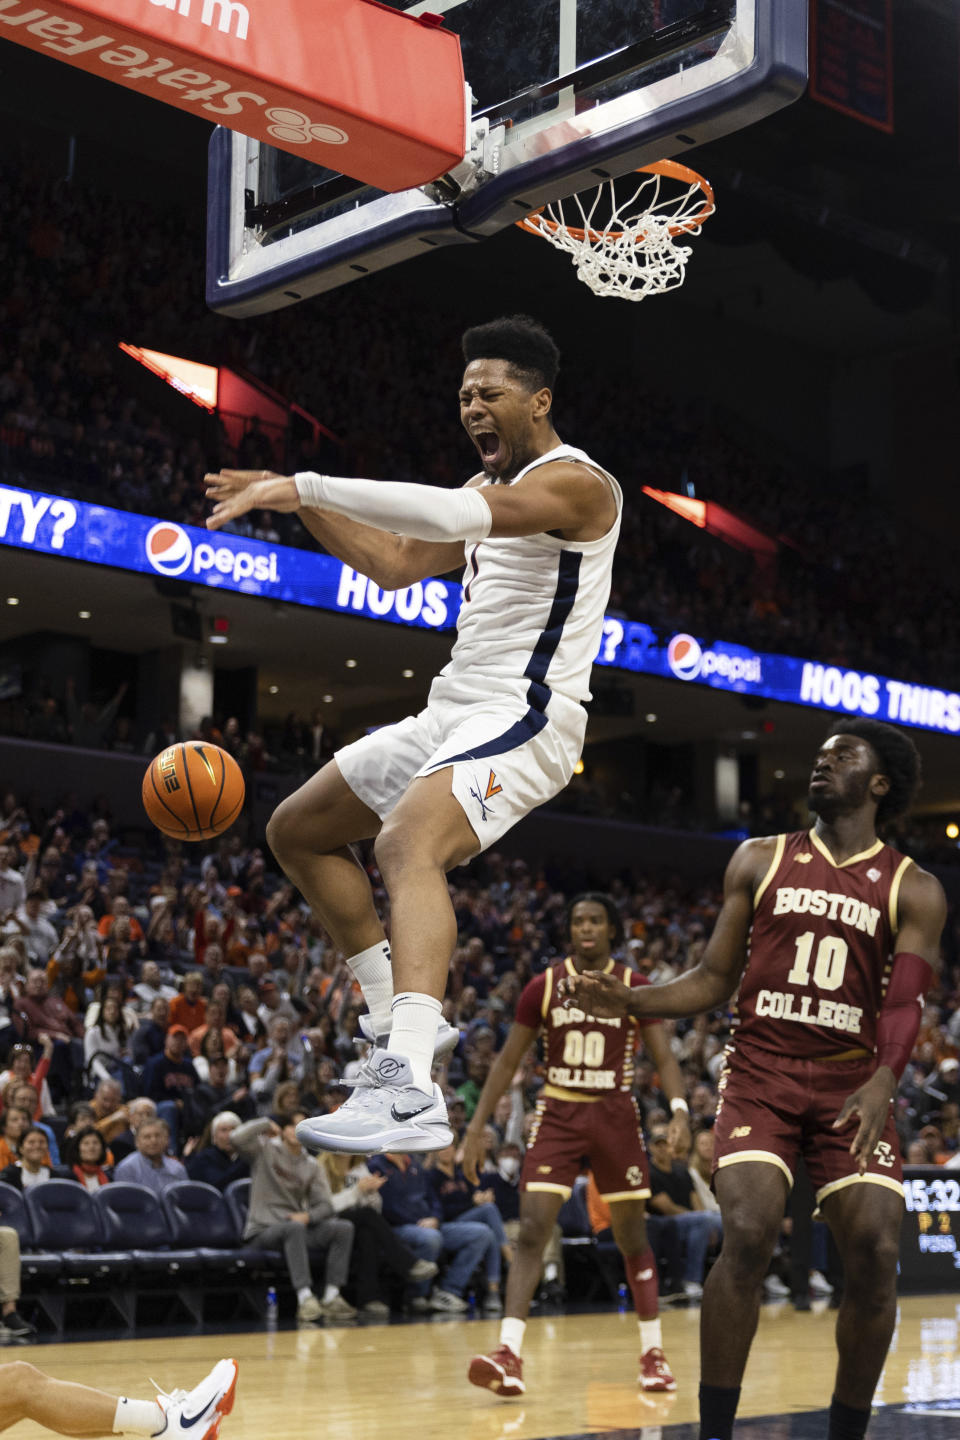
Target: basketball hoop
{"x":633,"y":253}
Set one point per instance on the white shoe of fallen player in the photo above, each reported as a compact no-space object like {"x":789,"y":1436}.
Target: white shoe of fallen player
{"x":386,"y":1112}
{"x":448,"y":1036}
{"x":197,"y":1414}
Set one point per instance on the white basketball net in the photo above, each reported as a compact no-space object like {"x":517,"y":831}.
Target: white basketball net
{"x":637,"y":252}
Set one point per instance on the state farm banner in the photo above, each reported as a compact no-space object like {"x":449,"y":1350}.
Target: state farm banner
{"x":349,"y":84}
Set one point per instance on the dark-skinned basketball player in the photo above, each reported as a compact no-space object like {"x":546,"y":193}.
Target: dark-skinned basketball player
{"x":504,"y":724}
{"x":843,"y":936}
{"x":586,"y":1112}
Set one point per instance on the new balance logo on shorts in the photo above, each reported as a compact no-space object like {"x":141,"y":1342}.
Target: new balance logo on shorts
{"x":740,"y":1132}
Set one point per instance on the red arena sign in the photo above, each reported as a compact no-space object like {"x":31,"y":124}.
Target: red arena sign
{"x":347,"y":84}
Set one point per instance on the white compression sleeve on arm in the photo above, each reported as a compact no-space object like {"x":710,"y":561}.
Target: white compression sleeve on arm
{"x":423,"y":512}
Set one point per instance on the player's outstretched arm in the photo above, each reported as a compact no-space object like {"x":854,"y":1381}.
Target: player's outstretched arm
{"x":916,"y":963}
{"x":709,"y":984}
{"x":368,"y":545}
{"x":499,"y":1076}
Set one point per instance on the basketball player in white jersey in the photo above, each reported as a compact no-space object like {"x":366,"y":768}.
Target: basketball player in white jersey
{"x":504,"y":722}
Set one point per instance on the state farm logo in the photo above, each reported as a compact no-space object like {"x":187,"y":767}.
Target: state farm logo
{"x":168,"y":548}
{"x":225,"y":14}
{"x":689,"y":661}
{"x":684,"y":657}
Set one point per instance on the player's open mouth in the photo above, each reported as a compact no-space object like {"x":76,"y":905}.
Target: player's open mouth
{"x":488,"y":443}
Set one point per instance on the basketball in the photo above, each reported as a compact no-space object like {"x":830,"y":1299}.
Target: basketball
{"x":193,"y":791}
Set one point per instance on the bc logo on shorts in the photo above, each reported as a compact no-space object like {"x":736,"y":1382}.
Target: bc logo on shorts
{"x":884,"y":1153}
{"x":634,"y":1176}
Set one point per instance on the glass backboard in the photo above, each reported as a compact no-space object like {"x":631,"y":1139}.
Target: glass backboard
{"x":562,"y":92}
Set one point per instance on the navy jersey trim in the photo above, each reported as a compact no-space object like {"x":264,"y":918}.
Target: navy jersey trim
{"x":538,"y":692}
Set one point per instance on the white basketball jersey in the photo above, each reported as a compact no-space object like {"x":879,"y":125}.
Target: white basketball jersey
{"x":532,"y":614}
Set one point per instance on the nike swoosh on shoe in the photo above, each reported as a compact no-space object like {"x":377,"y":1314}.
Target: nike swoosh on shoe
{"x":410,"y":1114}
{"x":186,"y":1420}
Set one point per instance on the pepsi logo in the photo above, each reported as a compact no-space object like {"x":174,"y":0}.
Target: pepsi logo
{"x":168,"y":548}
{"x":684,"y":656}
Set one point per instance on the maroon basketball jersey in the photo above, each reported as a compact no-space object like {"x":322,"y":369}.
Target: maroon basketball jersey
{"x":587,"y":1056}
{"x":821,"y":949}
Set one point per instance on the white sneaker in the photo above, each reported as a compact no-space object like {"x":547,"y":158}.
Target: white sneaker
{"x":693,"y":1290}
{"x":448,"y":1036}
{"x":775,"y":1289}
{"x":819,"y":1284}
{"x":448,"y":1301}
{"x":309,"y":1308}
{"x":386,"y":1113}
{"x":198,"y":1413}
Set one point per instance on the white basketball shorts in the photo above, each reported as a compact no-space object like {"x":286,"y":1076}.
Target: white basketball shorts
{"x":504,"y":759}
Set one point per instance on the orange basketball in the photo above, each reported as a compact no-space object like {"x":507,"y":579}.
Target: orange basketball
{"x":193,"y":791}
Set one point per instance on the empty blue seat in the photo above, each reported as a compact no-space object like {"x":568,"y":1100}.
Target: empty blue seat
{"x":237,"y":1196}
{"x":199,"y":1215}
{"x":132,"y":1218}
{"x":14,"y":1213}
{"x":63,"y":1217}
{"x":34,"y":1264}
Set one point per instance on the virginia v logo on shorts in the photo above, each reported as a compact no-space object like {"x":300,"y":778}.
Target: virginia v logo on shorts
{"x":492,"y":789}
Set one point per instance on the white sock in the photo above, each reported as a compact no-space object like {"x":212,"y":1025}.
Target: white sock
{"x":651,"y":1337}
{"x":138,"y":1417}
{"x":550,"y":1271}
{"x":374,"y":975}
{"x":303,"y":1293}
{"x":414,"y":1034}
{"x":511,"y":1334}
{"x":331,"y":1293}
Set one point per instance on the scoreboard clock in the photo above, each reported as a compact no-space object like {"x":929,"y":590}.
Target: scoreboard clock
{"x":930,"y":1235}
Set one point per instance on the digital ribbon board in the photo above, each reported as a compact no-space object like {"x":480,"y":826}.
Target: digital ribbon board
{"x":99,"y":535}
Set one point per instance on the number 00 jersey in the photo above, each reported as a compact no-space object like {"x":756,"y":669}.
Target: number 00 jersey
{"x":821,"y":950}
{"x":587,"y":1056}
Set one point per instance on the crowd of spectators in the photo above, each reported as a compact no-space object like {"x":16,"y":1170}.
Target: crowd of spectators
{"x":164,"y":1015}
{"x":82,"y":275}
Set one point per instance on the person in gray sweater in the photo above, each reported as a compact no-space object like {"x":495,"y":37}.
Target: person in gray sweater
{"x":291,"y":1207}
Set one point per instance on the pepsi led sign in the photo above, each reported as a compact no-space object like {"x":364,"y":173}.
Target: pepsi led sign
{"x":52,"y":525}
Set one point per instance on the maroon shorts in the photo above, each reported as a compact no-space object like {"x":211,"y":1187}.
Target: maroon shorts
{"x":774,"y":1108}
{"x":569,"y":1135}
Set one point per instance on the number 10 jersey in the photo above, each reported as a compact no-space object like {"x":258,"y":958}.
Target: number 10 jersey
{"x":821,"y":950}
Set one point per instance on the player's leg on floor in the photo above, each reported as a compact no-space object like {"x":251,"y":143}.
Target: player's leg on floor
{"x":66,"y":1408}
{"x":310,"y":833}
{"x":865,"y":1220}
{"x":753,"y":1197}
{"x":502,"y":1370}
{"x":26,"y":1393}
{"x":628,"y":1219}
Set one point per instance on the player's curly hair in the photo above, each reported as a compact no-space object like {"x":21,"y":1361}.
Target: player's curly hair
{"x":523,"y":342}
{"x":597,"y":897}
{"x":899,"y":761}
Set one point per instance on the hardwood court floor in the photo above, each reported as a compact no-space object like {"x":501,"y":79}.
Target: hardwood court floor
{"x":407,"y":1382}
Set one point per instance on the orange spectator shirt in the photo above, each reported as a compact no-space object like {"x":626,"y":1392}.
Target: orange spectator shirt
{"x":183,"y":1012}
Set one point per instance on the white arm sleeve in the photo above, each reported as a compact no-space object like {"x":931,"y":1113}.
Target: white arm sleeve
{"x":423,"y":512}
